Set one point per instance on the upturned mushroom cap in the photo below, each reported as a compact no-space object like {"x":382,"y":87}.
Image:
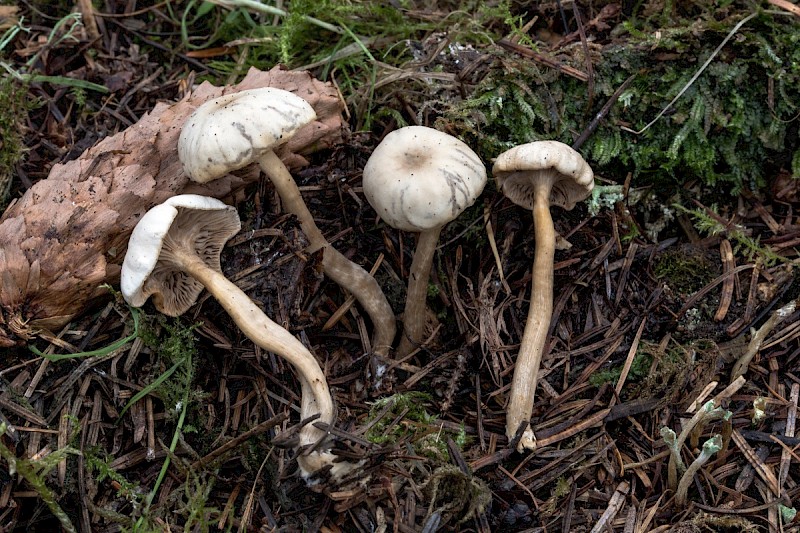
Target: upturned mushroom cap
{"x":196,"y":223}
{"x":517,"y":169}
{"x":234,"y":130}
{"x":419,"y":178}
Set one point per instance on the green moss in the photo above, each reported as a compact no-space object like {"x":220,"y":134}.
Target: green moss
{"x":14,"y":107}
{"x":730,"y":128}
{"x":655,"y":373}
{"x":684,"y":270}
{"x":99,"y":464}
{"x":743,"y":242}
{"x":408,"y":421}
{"x":411,"y":405}
{"x":456,"y":495}
{"x":175,"y":343}
{"x":639,"y":369}
{"x":35,"y":473}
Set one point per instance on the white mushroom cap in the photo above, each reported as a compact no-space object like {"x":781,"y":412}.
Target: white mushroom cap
{"x":234,"y":130}
{"x":198,"y":223}
{"x":516,"y":169}
{"x":419,"y":178}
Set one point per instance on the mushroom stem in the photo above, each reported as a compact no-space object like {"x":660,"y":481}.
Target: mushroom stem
{"x":291,"y":199}
{"x":416,"y":296}
{"x":336,"y":266}
{"x":258,"y":327}
{"x":531,"y":350}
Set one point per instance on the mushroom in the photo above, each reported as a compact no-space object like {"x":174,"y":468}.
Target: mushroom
{"x":237,"y":129}
{"x":535,"y":176}
{"x":174,"y":253}
{"x":418,"y":179}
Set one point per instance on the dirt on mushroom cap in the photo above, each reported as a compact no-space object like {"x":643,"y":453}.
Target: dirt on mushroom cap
{"x":419,"y":178}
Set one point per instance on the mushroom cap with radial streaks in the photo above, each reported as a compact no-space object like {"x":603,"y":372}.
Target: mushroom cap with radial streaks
{"x":198,"y":223}
{"x":234,"y":130}
{"x":518,"y":168}
{"x":419,"y":178}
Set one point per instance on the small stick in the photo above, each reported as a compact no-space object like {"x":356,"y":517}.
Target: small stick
{"x":226,"y":511}
{"x":764,"y":471}
{"x":592,"y":421}
{"x":791,"y":421}
{"x":785,"y":4}
{"x":236,"y":441}
{"x":742,"y":321}
{"x":151,"y":428}
{"x":615,"y":504}
{"x":487,"y":220}
{"x":585,"y":46}
{"x":758,"y":337}
{"x":730,"y":390}
{"x":728,"y":264}
{"x":543,"y":59}
{"x":87,"y":17}
{"x":61,"y":442}
{"x":626,"y":269}
{"x":570,"y":509}
{"x":602,"y":113}
{"x":651,"y":514}
{"x":701,"y":398}
{"x":628,"y":361}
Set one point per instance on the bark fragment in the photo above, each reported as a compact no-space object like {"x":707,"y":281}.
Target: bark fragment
{"x":68,"y":233}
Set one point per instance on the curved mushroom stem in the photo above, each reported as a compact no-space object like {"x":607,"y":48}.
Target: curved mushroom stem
{"x":315,"y":395}
{"x":416,"y":296}
{"x":526,"y":369}
{"x":336,"y":266}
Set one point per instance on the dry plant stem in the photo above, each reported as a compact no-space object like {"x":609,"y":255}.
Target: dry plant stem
{"x":258,"y":327}
{"x":414,"y":314}
{"x":759,"y":336}
{"x":529,"y":358}
{"x":336,"y":266}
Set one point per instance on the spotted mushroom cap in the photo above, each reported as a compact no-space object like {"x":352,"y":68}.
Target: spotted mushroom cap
{"x":419,"y":178}
{"x":516,"y":169}
{"x":204,"y":224}
{"x":234,"y":130}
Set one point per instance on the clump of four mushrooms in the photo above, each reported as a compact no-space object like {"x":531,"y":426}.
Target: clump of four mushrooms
{"x":418,"y":179}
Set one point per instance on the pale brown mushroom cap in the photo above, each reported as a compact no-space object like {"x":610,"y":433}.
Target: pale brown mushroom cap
{"x":193,"y":222}
{"x":236,"y":129}
{"x":517,"y":169}
{"x":419,"y":178}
